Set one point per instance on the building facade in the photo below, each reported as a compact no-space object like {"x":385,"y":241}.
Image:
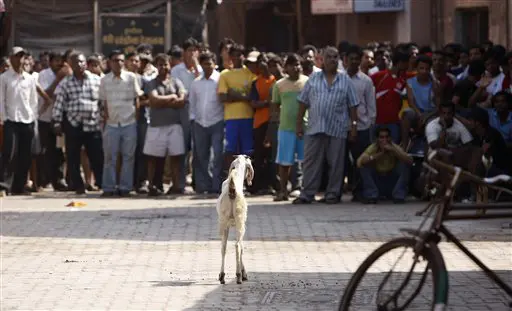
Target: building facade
{"x":284,"y":25}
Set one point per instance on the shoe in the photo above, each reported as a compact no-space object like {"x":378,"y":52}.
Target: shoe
{"x":369,"y":201}
{"x":398,"y":201}
{"x":91,"y":188}
{"x":142,"y":190}
{"x":154,"y":192}
{"x":80,"y":191}
{"x":330,"y":200}
{"x":60,"y":187}
{"x":124,"y":193}
{"x":31,"y":188}
{"x":173,"y":190}
{"x":107,"y":194}
{"x":24,"y":192}
{"x":281,"y":197}
{"x":301,"y":201}
{"x":295,"y":193}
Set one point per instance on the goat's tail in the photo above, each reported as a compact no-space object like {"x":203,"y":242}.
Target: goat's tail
{"x":232,"y":189}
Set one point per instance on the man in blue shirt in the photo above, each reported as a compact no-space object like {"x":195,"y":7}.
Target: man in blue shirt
{"x":331,"y":101}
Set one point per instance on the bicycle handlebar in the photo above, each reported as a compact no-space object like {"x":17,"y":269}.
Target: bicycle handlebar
{"x":498,"y":178}
{"x":438,"y":164}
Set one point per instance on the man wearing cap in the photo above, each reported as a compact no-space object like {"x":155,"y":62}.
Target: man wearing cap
{"x":18,"y":112}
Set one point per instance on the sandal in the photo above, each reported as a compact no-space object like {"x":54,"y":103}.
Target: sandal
{"x":280,"y":197}
{"x":301,"y":201}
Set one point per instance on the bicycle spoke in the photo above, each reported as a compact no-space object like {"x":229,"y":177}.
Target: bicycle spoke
{"x":398,"y":286}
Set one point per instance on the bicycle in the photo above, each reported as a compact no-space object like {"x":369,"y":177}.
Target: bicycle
{"x":424,"y":243}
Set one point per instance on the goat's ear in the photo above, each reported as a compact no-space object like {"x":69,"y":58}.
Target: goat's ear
{"x":249,"y":172}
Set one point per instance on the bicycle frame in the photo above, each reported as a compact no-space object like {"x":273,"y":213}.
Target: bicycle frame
{"x":443,"y":213}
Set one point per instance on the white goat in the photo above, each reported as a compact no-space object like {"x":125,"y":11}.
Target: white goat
{"x":232,"y":211}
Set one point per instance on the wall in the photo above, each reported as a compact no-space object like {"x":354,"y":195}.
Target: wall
{"x":500,"y":15}
{"x":376,"y":27}
{"x":412,"y":24}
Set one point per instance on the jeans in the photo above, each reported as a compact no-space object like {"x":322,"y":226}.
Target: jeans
{"x":119,"y":139}
{"x":16,"y":155}
{"x":141,"y":167}
{"x":392,"y":184}
{"x":187,"y":126}
{"x":208,"y":139}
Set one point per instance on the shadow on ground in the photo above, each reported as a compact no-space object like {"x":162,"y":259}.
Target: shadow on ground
{"x":323,"y":291}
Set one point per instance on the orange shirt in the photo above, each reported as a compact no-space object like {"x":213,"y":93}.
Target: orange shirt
{"x":260,"y":91}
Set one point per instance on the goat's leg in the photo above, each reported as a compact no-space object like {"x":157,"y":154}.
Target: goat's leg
{"x":239,"y":264}
{"x":224,"y":242}
{"x":244,"y":272}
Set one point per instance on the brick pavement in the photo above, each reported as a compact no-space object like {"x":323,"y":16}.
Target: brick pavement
{"x":164,"y":254}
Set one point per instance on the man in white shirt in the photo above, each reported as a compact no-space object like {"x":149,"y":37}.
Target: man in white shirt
{"x":187,"y":72}
{"x":18,"y":112}
{"x":119,"y":90}
{"x":208,"y":131}
{"x":449,"y":133}
{"x":50,"y":164}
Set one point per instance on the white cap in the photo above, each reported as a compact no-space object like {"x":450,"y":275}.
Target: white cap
{"x":253,"y":56}
{"x":18,"y":49}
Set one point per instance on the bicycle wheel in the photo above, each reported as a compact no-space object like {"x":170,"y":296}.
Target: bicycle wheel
{"x":434,"y":263}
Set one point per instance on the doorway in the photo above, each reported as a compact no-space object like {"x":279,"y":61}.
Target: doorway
{"x":472,"y":25}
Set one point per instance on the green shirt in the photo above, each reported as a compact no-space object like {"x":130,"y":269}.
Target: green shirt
{"x":284,"y":94}
{"x":385,"y":163}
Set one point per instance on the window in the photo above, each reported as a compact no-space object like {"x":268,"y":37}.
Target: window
{"x":472,"y":25}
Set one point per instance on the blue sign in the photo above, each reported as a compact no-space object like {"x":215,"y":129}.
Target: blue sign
{"x":370,"y":6}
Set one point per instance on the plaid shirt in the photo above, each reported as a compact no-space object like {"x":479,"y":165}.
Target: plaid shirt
{"x":80,"y":101}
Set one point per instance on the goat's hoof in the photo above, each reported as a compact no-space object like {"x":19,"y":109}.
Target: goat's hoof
{"x":238,"y":278}
{"x":221,"y":278}
{"x":244,"y":275}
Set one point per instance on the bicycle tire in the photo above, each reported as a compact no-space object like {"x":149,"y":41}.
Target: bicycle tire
{"x":430,"y":252}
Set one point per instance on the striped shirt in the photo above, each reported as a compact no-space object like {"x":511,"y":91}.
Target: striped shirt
{"x":328,"y":106}
{"x":80,"y":101}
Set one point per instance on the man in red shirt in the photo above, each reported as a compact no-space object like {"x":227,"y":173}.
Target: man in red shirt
{"x":440,"y":72}
{"x":389,"y":89}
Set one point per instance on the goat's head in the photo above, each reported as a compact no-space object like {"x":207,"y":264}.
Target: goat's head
{"x":243,"y":164}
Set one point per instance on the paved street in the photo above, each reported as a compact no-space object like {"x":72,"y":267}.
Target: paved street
{"x":164,"y":254}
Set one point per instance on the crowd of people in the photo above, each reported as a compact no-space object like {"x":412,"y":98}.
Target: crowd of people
{"x":339,"y":119}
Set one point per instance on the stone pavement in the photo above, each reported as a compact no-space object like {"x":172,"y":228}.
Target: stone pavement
{"x":164,"y":254}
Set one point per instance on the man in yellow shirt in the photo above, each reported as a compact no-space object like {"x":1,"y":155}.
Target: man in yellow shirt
{"x":384,"y":168}
{"x":234,"y":92}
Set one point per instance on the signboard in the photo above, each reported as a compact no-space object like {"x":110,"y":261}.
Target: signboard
{"x":368,"y":6}
{"x":331,"y":6}
{"x":125,"y":32}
